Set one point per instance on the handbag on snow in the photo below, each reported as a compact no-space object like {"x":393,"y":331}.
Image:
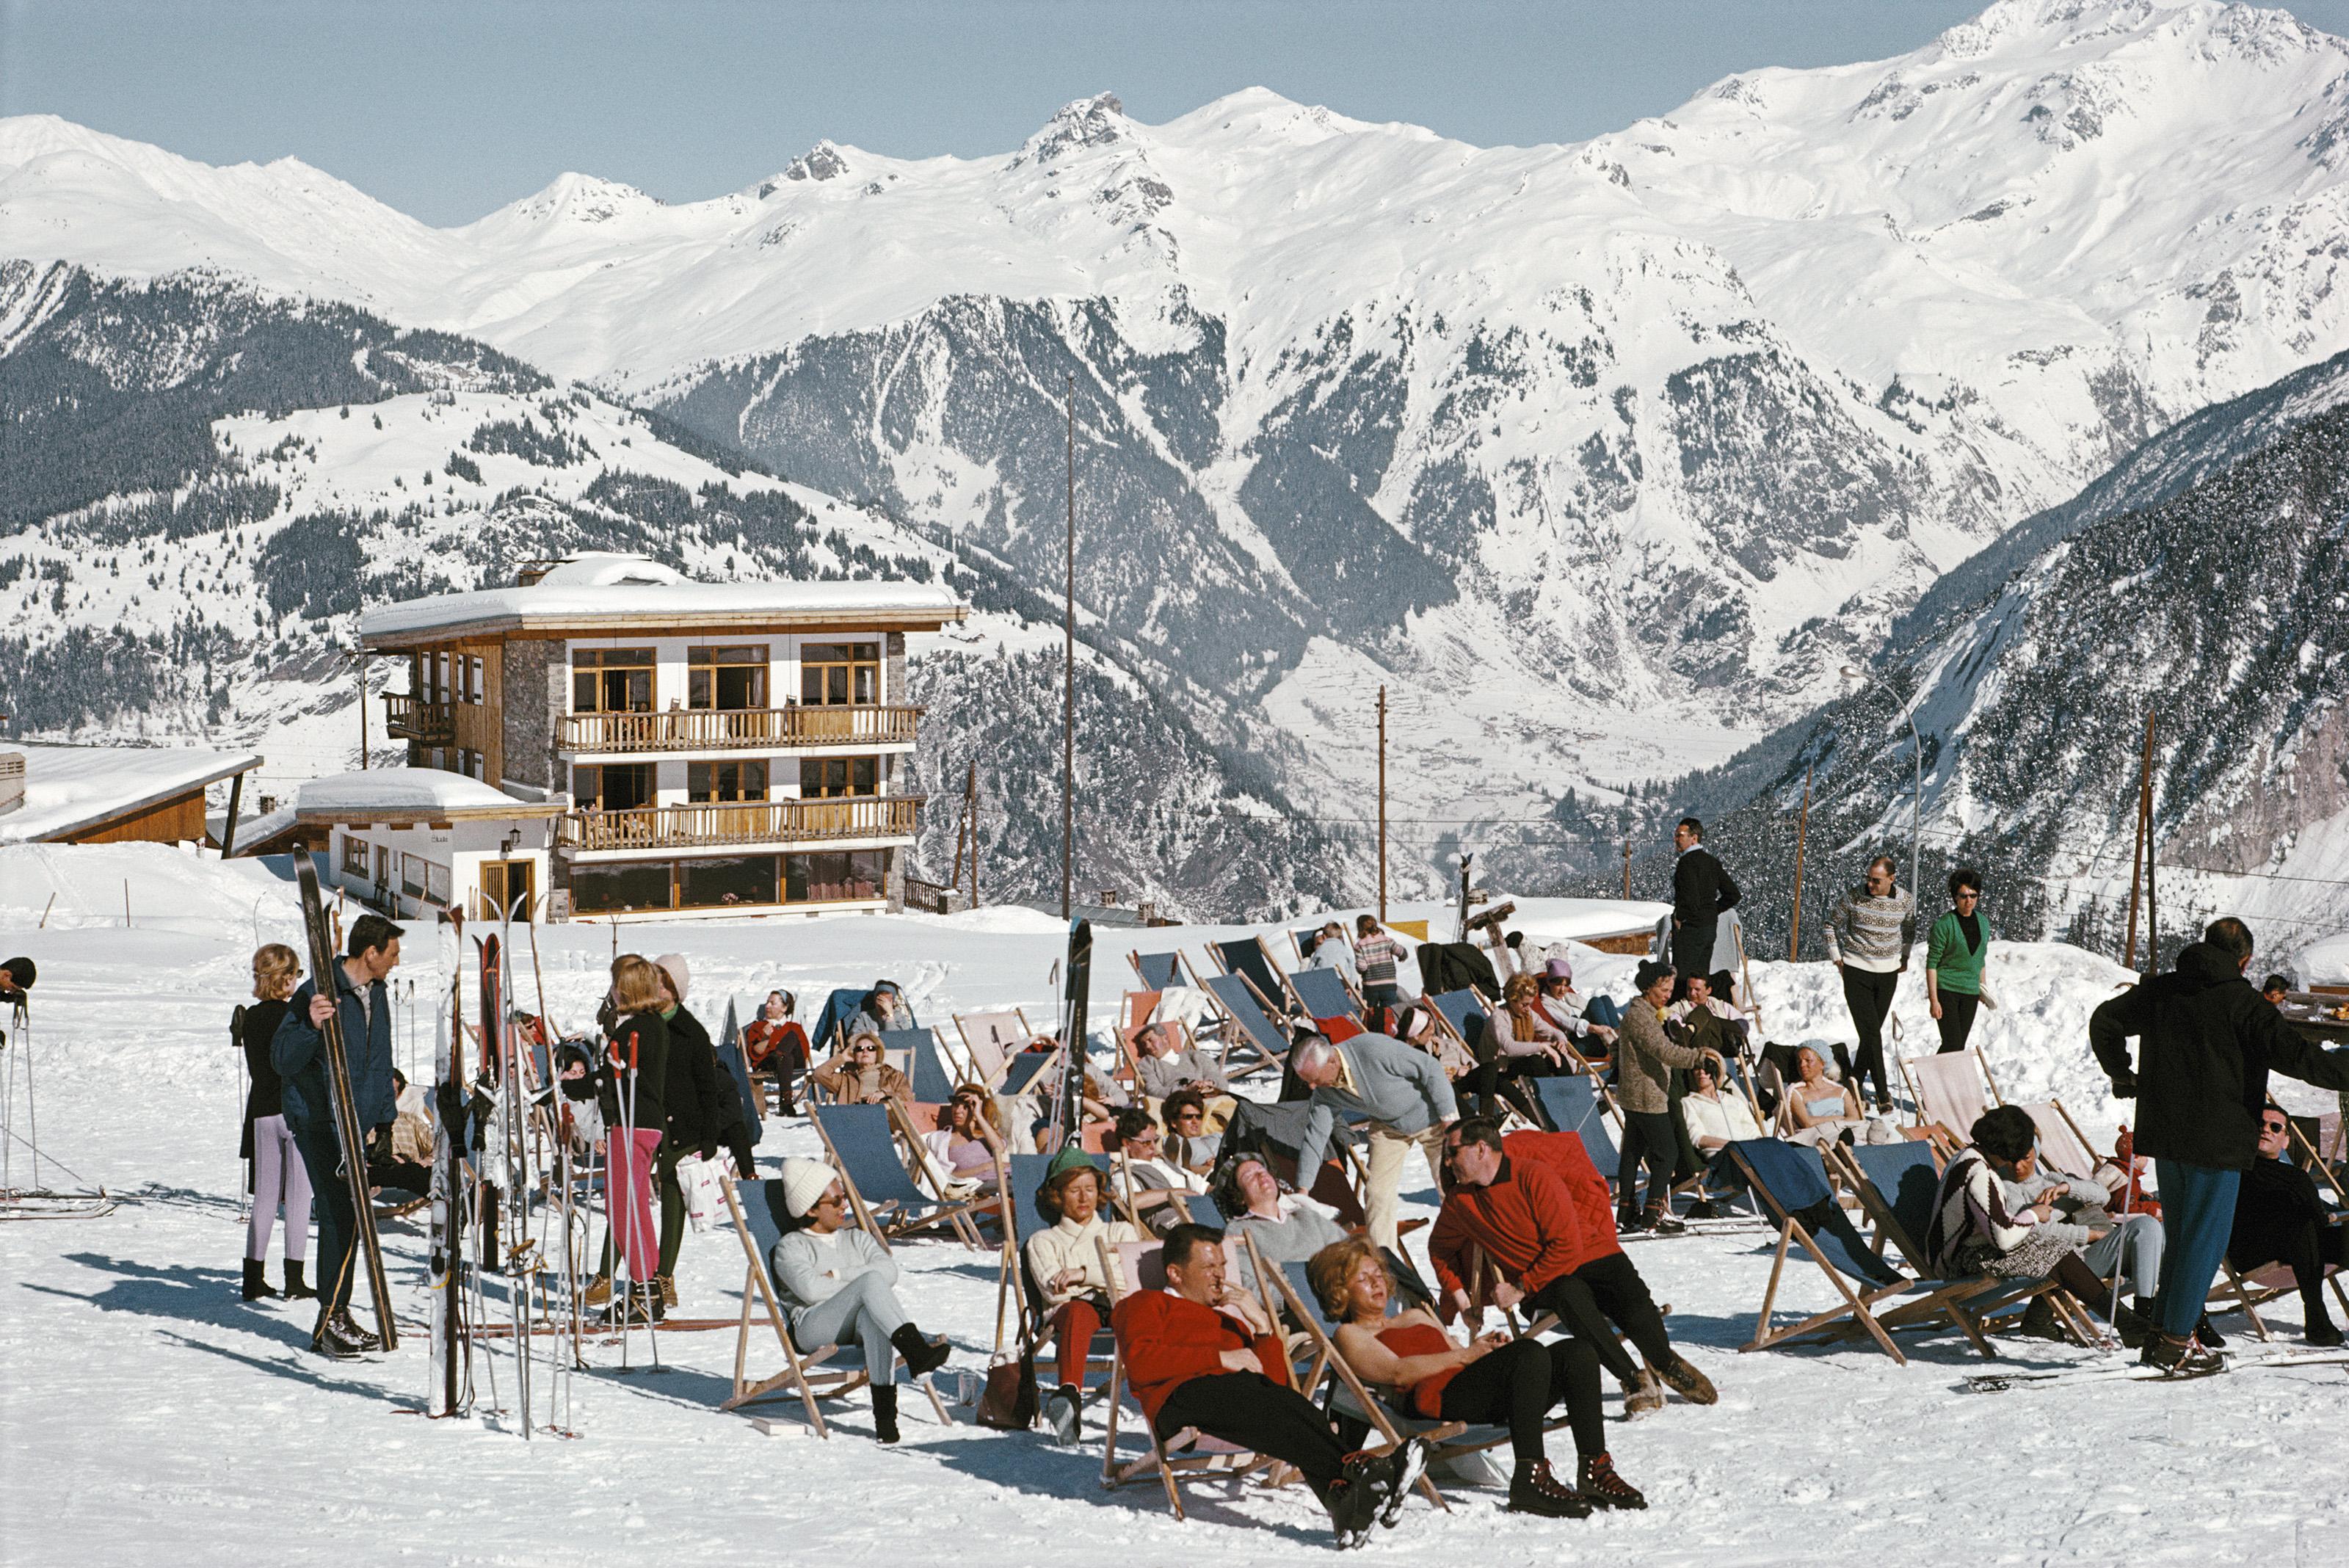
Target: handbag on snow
{"x":1011,"y":1401}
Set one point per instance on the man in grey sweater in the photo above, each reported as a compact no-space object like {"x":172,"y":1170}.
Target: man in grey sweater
{"x":1403,"y":1092}
{"x":1869,"y":936}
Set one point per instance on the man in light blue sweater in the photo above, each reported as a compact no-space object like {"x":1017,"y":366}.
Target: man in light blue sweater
{"x":1403,"y":1092}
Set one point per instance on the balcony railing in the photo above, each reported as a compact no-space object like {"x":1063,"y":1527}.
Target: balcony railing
{"x":766,"y":822}
{"x":415,"y":718}
{"x":720,"y":729}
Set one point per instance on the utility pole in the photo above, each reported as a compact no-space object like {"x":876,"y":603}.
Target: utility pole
{"x":1802,"y":830}
{"x":1069,"y":682}
{"x":2140,"y":854}
{"x":359,"y":661}
{"x":1382,"y":806}
{"x":2145,"y":815}
{"x":1627,"y":870}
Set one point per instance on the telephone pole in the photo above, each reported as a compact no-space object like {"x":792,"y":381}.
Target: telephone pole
{"x":1802,"y":830}
{"x":1068,"y":683}
{"x":1382,"y":806}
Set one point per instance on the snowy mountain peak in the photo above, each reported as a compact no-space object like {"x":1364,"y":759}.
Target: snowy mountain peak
{"x":573,"y":199}
{"x":1096,"y":121}
{"x":822,"y":162}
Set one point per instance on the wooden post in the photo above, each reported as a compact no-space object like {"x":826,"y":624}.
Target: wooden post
{"x":2145,"y":812}
{"x":126,"y":903}
{"x":1627,"y":870}
{"x":2138,"y":853}
{"x":1802,"y":831}
{"x":228,"y":833}
{"x":1069,"y":680}
{"x":1382,"y":806}
{"x":360,"y":664}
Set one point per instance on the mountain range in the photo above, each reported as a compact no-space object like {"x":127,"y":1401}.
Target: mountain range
{"x":1604,"y":460}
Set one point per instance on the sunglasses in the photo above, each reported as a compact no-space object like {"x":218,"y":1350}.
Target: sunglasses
{"x":2272,"y":1126}
{"x":829,"y":1200}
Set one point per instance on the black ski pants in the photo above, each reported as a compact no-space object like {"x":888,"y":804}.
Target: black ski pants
{"x":330,"y":1195}
{"x":1868,"y":994}
{"x":1958,"y":1009}
{"x":1251,"y":1410}
{"x":1601,"y":1296}
{"x":1649,"y":1137}
{"x":1520,"y":1384}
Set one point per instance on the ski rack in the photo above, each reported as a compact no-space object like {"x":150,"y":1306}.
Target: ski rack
{"x":35,"y":1202}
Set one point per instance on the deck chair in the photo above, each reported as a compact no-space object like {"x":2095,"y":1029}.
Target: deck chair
{"x":861,"y":1142}
{"x":1136,"y":1266}
{"x":1252,"y":1015}
{"x":1305,"y":942}
{"x":1787,"y":1181}
{"x":1026,"y":1072}
{"x":1023,"y":1177}
{"x":2062,"y":1148}
{"x":1324,"y":994}
{"x":1896,"y":1184}
{"x":1349,"y":1396}
{"x":1951,"y":1089}
{"x":1573,"y":1104}
{"x":927,"y":1062}
{"x":1160,"y":971}
{"x":2247,"y":1293}
{"x":1250,"y":957}
{"x":989,"y":1040}
{"x":804,"y":1376}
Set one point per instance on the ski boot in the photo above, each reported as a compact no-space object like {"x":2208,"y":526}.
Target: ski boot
{"x":2180,"y":1358}
{"x":1599,"y":1483}
{"x":1534,"y":1491}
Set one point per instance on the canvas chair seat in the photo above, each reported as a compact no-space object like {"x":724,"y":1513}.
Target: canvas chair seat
{"x":860,"y":1143}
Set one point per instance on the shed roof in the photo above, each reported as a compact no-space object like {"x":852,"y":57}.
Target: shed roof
{"x":71,"y":790}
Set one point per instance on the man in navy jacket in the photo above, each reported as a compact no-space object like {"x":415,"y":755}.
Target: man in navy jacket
{"x":298,"y":1054}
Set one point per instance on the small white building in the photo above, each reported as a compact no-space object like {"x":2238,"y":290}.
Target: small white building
{"x":420,"y":842}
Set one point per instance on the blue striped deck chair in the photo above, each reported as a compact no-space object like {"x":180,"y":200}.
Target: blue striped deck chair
{"x":931,"y":1084}
{"x":1789,"y":1183}
{"x":1572,"y":1105}
{"x":1324,"y":994}
{"x":1241,"y":1004}
{"x":862,"y":1144}
{"x":1020,"y":1074}
{"x":1250,"y":957}
{"x":1305,"y":942}
{"x":1024,"y":1179}
{"x":1159,"y":970}
{"x":1463,"y":1014}
{"x":737,"y":1069}
{"x":753,"y":1205}
{"x":1897,"y":1184}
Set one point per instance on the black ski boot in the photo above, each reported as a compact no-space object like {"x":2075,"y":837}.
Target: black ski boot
{"x":923,"y":1356}
{"x":1662,"y":1220}
{"x":2321,"y":1330}
{"x":2206,"y":1336}
{"x":349,"y":1328}
{"x":1534,"y":1490}
{"x":256,"y":1288}
{"x":298,"y":1289}
{"x":1064,"y":1413}
{"x":329,"y":1339}
{"x":1605,"y":1489}
{"x":885,"y":1412}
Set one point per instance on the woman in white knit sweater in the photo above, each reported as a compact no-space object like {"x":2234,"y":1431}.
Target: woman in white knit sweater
{"x":1064,"y":1263}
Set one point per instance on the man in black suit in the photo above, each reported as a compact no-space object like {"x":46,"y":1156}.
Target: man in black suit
{"x":2279,"y":1217}
{"x":1701,"y":892}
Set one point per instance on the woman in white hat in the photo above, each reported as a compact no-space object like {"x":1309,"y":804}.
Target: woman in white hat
{"x":838,"y":1284}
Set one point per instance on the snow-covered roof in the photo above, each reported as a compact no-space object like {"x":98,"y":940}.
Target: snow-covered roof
{"x":250,"y":830}
{"x":590,"y":593}
{"x":70,"y":790}
{"x":391,"y":794}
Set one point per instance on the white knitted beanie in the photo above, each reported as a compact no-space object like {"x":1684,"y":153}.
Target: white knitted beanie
{"x":804,"y":1182}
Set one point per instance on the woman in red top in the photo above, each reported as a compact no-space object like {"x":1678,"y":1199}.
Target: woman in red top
{"x":778,"y":1047}
{"x":1494,"y":1380}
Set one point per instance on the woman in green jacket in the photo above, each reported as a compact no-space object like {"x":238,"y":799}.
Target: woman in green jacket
{"x":1955,"y":950}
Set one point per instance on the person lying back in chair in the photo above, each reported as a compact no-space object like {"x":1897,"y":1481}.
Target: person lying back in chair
{"x":1493,"y":1380}
{"x":1981,"y":1225}
{"x":2280,"y":1218}
{"x":1166,"y":1062}
{"x":1286,"y":1227}
{"x":1158,"y":1189}
{"x":1201,"y":1357}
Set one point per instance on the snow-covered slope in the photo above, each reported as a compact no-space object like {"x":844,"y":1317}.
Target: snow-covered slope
{"x":2205,"y":580}
{"x":1667,"y":425}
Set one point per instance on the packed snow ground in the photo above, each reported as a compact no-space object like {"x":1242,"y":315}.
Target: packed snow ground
{"x":144,"y":1408}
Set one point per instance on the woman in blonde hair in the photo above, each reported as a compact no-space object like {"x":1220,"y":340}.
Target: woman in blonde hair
{"x":637,"y":1055}
{"x":278,"y":1174}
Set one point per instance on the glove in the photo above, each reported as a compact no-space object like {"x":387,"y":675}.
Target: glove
{"x":379,"y":1145}
{"x":709,"y":1151}
{"x":745,"y":1165}
{"x":2125,"y":1085}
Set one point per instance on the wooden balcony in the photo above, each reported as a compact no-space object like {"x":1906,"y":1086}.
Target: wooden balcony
{"x":743,"y":729}
{"x":414,"y":718}
{"x":716,"y":826}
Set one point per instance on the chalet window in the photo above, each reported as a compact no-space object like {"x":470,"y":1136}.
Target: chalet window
{"x":635,"y":885}
{"x":412,"y":875}
{"x":614,"y":786}
{"x":717,"y":782}
{"x":824,"y":778}
{"x":383,"y":866}
{"x":833,"y":674}
{"x":840,"y":874}
{"x":715,"y":883}
{"x":474,"y":684}
{"x":612,"y":680}
{"x":354,"y":855}
{"x":436,"y":883}
{"x":732,"y":679}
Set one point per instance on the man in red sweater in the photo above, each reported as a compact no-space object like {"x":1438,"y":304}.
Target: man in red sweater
{"x":1198,"y":1357}
{"x":1513,"y":1205}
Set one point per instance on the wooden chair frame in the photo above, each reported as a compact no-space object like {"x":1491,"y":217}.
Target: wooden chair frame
{"x":803,"y":1375}
{"x":976,"y":1070}
{"x":948,"y":1211}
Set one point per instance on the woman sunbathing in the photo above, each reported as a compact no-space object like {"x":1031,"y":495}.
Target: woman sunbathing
{"x":1494,"y":1380}
{"x":1286,"y":1229}
{"x":1064,"y":1265}
{"x":1825,"y":1111}
{"x":969,"y":1138}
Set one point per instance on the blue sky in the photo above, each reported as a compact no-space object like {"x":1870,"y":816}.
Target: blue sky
{"x":449,"y":110}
